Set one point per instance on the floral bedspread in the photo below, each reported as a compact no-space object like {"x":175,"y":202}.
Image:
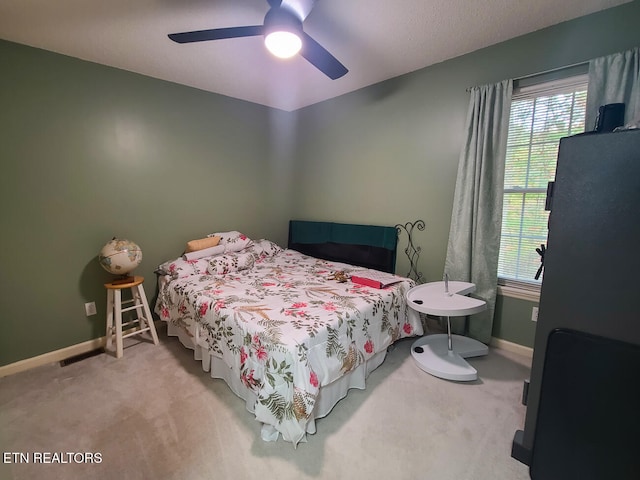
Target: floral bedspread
{"x":281,"y":322}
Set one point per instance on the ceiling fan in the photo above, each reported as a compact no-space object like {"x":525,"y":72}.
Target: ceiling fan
{"x":283,"y":33}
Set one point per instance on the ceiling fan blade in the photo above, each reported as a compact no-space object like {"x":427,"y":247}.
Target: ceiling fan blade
{"x":302,"y":8}
{"x":319,"y":57}
{"x":216,"y":34}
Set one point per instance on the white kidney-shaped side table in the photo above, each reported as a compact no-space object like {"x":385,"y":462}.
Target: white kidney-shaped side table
{"x":443,"y":355}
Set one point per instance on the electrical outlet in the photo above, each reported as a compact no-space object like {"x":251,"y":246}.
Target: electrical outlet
{"x":534,"y":314}
{"x":90,"y":308}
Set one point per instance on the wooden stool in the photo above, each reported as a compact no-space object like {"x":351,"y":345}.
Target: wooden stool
{"x":114,"y":311}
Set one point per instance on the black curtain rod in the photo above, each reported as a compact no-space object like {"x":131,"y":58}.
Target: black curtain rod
{"x":545,"y":72}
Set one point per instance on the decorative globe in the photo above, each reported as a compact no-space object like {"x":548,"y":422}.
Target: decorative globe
{"x":120,"y":256}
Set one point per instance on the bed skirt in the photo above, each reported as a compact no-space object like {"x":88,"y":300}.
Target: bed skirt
{"x":328,"y":397}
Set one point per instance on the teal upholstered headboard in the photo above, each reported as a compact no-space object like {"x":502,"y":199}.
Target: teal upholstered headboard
{"x":369,"y":246}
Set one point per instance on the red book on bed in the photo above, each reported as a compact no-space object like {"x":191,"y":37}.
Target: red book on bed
{"x":375,"y":279}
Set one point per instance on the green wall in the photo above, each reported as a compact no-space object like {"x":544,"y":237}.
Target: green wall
{"x":389,"y":153}
{"x":512,"y":320}
{"x":90,"y":152}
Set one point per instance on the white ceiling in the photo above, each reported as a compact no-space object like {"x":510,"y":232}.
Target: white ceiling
{"x":375,"y":39}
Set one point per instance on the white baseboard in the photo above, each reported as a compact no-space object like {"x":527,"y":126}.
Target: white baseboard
{"x":511,"y":347}
{"x":57,"y":355}
{"x":90,"y":345}
{"x":52,"y":357}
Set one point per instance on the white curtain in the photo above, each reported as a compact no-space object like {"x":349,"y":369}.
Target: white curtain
{"x":614,"y":79}
{"x":474,"y":236}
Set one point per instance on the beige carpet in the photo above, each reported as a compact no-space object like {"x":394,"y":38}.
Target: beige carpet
{"x":155,"y":415}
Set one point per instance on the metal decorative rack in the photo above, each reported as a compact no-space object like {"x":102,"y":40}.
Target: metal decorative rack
{"x":412,"y":251}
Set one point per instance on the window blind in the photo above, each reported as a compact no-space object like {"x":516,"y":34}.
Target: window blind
{"x":540,"y":116}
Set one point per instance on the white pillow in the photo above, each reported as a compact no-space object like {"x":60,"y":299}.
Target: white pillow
{"x":202,"y":243}
{"x":239,"y":240}
{"x":205,"y":252}
{"x":234,"y":245}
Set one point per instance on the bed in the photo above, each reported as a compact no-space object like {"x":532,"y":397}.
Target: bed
{"x":283,"y":328}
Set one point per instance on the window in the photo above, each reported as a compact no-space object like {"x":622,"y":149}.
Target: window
{"x":540,"y":116}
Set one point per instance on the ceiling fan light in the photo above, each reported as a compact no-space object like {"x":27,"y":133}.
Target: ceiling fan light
{"x":283,"y":44}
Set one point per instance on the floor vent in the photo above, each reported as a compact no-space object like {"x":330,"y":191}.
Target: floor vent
{"x":83,"y":356}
